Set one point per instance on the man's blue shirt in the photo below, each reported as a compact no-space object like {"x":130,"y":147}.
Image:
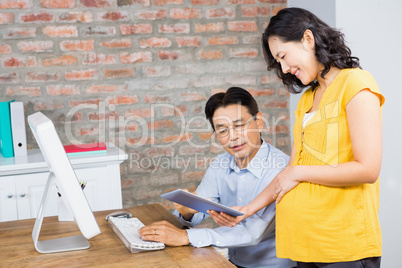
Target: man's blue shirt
{"x":251,"y":243}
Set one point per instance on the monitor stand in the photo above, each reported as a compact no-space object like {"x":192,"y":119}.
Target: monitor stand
{"x":70,"y":243}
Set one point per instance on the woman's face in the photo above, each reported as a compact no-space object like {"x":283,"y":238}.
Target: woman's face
{"x":296,"y":58}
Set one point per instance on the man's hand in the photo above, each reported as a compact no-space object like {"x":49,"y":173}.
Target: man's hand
{"x":186,"y":212}
{"x":165,"y":232}
{"x":227,"y":220}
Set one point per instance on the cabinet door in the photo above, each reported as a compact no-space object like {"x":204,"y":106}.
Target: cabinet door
{"x":101,"y":190}
{"x":8,"y":201}
{"x":29,"y":189}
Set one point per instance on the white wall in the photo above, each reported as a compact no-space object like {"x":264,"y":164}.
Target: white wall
{"x":373,"y":32}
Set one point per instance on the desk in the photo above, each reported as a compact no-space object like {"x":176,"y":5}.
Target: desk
{"x":17,"y":249}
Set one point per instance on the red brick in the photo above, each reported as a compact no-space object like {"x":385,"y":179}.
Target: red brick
{"x":41,"y":77}
{"x":242,"y":26}
{"x":95,"y":58}
{"x":276,"y":104}
{"x":85,"y":102}
{"x":126,"y":57}
{"x":118,"y":73}
{"x":185,"y":13}
{"x":60,"y":61}
{"x":37,"y":17}
{"x":210,"y":54}
{"x":18,"y":62}
{"x":273,"y":1}
{"x":9,"y":78}
{"x":119,"y":100}
{"x":60,"y":31}
{"x":191,"y":97}
{"x":174,"y":28}
{"x":188,"y":41}
{"x":168,"y":2}
{"x":160,"y":124}
{"x":24,"y":91}
{"x":157,"y":99}
{"x":118,"y":43}
{"x":47,"y":106}
{"x":283,"y":92}
{"x":19,"y":33}
{"x":174,"y":55}
{"x":190,"y":150}
{"x":155,"y":71}
{"x":87,"y":131}
{"x":276,"y":9}
{"x":243,"y":52}
{"x":5,"y":49}
{"x":91,"y":74}
{"x":102,"y":89}
{"x":57,"y":3}
{"x":145,"y":3}
{"x":255,"y":11}
{"x":205,"y":2}
{"x":141,"y":112}
{"x":155,"y":42}
{"x":76,"y":16}
{"x":211,"y":27}
{"x":151,"y":14}
{"x":102,"y":116}
{"x":223,"y":40}
{"x":194,"y":176}
{"x":113,"y":16}
{"x":96,"y":3}
{"x":8,"y":4}
{"x":261,"y":92}
{"x":221,"y":13}
{"x":270,"y":79}
{"x":241,"y":80}
{"x":243,"y":2}
{"x":58,"y":90}
{"x":6,"y":18}
{"x":177,"y":138}
{"x":126,"y":29}
{"x":99,"y":31}
{"x":35,"y":46}
{"x":79,"y":45}
{"x":205,"y":135}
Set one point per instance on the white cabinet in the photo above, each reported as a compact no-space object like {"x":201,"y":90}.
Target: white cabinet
{"x":23,"y":180}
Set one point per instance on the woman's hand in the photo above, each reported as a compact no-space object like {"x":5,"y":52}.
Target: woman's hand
{"x":286,"y":180}
{"x":224,"y":219}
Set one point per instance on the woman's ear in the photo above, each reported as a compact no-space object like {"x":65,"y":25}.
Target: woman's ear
{"x":308,"y":39}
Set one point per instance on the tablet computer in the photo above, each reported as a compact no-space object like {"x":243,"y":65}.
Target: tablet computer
{"x":198,"y":203}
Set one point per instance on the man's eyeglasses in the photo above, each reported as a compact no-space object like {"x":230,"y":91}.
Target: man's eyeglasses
{"x":239,"y":127}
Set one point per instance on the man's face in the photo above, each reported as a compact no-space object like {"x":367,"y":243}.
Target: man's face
{"x":238,"y":131}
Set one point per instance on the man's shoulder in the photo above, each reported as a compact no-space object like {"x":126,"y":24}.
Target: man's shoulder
{"x":277,"y":158}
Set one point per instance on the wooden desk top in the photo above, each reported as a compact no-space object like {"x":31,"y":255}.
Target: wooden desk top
{"x":17,"y":248}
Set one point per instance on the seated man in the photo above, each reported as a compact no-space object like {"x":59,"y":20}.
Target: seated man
{"x":234,"y":178}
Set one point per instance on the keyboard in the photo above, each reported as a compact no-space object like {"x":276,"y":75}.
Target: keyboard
{"x":126,"y":230}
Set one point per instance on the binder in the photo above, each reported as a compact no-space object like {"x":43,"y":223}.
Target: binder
{"x":18,"y":128}
{"x":6,"y":139}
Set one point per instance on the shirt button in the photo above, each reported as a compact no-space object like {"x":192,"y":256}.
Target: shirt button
{"x":240,"y":199}
{"x":199,"y":242}
{"x":217,"y":242}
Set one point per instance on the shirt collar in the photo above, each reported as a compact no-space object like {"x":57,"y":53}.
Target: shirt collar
{"x":256,"y":164}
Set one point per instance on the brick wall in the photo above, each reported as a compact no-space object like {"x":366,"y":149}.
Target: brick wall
{"x":138,"y":73}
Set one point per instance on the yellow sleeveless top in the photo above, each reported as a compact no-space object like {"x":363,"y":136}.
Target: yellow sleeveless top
{"x":316,"y":223}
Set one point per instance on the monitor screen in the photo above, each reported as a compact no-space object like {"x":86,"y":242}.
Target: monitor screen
{"x":69,"y":188}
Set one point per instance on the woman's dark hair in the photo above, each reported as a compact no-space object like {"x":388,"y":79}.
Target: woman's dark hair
{"x":234,"y":95}
{"x":330,"y":49}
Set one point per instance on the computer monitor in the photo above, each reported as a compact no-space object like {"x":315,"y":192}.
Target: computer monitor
{"x":69,"y":188}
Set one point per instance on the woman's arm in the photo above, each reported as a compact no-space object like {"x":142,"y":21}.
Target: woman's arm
{"x":364,"y":121}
